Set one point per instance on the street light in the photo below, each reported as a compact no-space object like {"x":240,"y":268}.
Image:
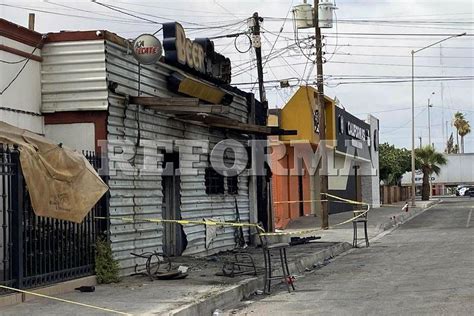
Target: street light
{"x":429,"y":120}
{"x":413,"y":52}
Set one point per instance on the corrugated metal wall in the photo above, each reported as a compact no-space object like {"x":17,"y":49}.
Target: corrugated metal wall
{"x":133,"y":195}
{"x":73,"y":76}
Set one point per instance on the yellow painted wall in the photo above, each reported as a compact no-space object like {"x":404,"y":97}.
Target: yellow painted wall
{"x":298,"y":114}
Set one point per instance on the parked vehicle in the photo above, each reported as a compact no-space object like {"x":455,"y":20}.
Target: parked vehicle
{"x":470,"y":192}
{"x":461,"y":190}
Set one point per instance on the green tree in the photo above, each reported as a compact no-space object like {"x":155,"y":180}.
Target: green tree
{"x":429,"y":161}
{"x":394,"y":162}
{"x":464,"y":129}
{"x":106,"y":267}
{"x":458,"y":122}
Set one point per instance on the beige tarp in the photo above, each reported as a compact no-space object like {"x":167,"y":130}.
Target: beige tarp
{"x":61,"y":182}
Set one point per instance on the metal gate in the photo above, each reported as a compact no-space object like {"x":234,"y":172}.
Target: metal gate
{"x":37,"y":251}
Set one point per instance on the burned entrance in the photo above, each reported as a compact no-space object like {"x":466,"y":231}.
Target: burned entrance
{"x":174,"y":238}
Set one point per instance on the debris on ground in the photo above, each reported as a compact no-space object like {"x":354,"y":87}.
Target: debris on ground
{"x":302,"y":240}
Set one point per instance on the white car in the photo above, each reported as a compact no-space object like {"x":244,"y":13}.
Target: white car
{"x":462,"y":191}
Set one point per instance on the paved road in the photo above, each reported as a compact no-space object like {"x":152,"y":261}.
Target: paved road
{"x":425,"y":267}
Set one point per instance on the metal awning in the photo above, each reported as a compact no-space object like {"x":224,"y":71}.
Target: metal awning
{"x":190,"y":109}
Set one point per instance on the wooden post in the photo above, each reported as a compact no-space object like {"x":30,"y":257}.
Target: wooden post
{"x":31,"y":21}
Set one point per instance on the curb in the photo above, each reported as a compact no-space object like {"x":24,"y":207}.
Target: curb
{"x":404,"y":217}
{"x":230,"y":295}
{"x":235,"y":293}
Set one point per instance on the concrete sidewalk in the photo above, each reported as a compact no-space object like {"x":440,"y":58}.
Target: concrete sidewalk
{"x":203,"y":291}
{"x":379,"y":220}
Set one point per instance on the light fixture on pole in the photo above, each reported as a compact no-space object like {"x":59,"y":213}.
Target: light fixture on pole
{"x":413,"y":52}
{"x":429,"y":120}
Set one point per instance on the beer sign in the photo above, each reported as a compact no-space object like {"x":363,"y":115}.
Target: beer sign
{"x":197,"y":56}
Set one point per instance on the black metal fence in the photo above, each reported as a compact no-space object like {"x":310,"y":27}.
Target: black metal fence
{"x":37,"y":251}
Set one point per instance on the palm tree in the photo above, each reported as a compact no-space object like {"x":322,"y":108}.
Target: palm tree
{"x":429,"y":161}
{"x":464,"y":129}
{"x":457,"y":122}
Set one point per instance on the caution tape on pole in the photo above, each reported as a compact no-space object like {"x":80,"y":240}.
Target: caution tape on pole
{"x":261,"y":231}
{"x":306,"y":231}
{"x":183,"y":222}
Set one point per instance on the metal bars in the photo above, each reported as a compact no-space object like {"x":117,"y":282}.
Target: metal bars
{"x":37,"y":251}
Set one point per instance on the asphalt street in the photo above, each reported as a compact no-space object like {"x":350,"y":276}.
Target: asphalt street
{"x":425,"y":267}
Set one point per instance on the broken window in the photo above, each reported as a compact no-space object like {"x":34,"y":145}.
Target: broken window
{"x":214,"y":182}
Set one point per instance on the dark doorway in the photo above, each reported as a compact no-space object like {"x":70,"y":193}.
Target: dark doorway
{"x":174,"y":239}
{"x":300,"y":195}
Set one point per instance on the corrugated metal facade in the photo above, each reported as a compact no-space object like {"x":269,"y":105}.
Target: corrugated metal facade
{"x":141,"y":195}
{"x":73,"y":76}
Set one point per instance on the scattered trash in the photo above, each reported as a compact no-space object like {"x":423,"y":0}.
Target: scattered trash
{"x":86,"y":288}
{"x":183,"y":269}
{"x":290,"y":280}
{"x":405,"y":207}
{"x":242,"y":264}
{"x":218,"y":312}
{"x":300,"y":241}
{"x":258,"y":292}
{"x":172,"y":275}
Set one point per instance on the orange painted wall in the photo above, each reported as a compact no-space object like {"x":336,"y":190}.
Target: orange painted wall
{"x":280,"y":193}
{"x":286,"y":190}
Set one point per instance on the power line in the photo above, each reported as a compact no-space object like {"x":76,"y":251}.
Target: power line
{"x":82,"y":10}
{"x":202,"y":26}
{"x":69,"y":15}
{"x":397,"y":46}
{"x":397,"y":81}
{"x":397,"y":65}
{"x":404,"y":124}
{"x":399,"y":56}
{"x":24,"y":65}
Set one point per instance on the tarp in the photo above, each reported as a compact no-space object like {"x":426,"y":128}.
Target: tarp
{"x":61,"y":182}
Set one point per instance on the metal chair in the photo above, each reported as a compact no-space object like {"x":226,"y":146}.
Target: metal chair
{"x":361,"y":219}
{"x":269,"y":249}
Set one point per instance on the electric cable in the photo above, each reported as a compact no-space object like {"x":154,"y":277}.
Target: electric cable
{"x":23,"y":66}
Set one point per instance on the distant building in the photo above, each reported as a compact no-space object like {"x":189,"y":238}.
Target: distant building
{"x":353,"y":158}
{"x":458,"y":170}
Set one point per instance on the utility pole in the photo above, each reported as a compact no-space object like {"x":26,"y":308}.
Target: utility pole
{"x":429,"y":120}
{"x":257,"y":44}
{"x":322,"y":118}
{"x":445,"y":132}
{"x":263,"y":183}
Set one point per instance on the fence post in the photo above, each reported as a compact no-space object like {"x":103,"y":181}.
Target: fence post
{"x":17,"y":204}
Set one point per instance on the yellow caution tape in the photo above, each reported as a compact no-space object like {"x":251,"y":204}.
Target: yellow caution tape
{"x":258,"y":227}
{"x":183,"y":222}
{"x":64,"y":300}
{"x":306,"y":231}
